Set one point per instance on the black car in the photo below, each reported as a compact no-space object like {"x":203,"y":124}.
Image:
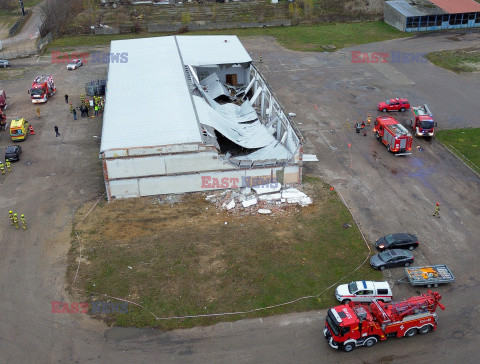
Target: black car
{"x":12,"y":153}
{"x":397,"y":241}
{"x":392,"y":258}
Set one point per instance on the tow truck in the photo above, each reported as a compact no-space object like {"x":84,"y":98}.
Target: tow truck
{"x":422,"y":123}
{"x":393,"y":135}
{"x":351,"y":325}
{"x":42,"y":88}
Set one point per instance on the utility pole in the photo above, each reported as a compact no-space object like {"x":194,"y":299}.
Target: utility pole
{"x":23,"y":10}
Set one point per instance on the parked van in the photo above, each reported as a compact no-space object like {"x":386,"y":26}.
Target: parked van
{"x":364,"y":291}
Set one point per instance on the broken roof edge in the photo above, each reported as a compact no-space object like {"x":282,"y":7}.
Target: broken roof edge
{"x":194,"y":147}
{"x":292,"y":123}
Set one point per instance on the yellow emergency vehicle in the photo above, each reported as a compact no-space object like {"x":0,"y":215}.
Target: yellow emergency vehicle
{"x":19,"y":129}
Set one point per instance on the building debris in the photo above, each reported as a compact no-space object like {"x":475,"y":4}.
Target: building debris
{"x":230,"y":205}
{"x":267,"y":188}
{"x":310,"y":158}
{"x":249,"y":201}
{"x":264,"y":211}
{"x":292,"y":195}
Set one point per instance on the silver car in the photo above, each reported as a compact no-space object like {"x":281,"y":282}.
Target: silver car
{"x":74,"y":64}
{"x":4,"y":63}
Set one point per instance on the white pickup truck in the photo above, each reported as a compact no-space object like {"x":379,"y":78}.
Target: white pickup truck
{"x":364,"y":291}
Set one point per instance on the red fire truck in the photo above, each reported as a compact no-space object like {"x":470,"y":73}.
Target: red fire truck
{"x":393,"y":134}
{"x":42,"y":88}
{"x":422,"y":123}
{"x":351,"y":325}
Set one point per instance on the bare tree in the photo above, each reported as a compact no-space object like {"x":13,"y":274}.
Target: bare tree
{"x":58,"y":14}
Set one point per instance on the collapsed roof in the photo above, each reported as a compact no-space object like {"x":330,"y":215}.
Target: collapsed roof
{"x":157,"y":99}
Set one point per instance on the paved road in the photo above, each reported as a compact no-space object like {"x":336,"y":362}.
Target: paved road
{"x":27,"y":37}
{"x":385,"y":193}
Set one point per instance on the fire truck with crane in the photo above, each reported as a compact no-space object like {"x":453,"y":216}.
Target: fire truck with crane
{"x":351,"y":325}
{"x":393,"y":135}
{"x":42,"y":88}
{"x":422,"y":123}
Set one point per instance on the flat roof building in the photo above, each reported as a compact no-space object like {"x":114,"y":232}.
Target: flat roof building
{"x":428,"y":15}
{"x":192,"y":113}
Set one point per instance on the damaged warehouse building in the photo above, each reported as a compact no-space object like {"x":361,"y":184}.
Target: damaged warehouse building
{"x":192,"y":113}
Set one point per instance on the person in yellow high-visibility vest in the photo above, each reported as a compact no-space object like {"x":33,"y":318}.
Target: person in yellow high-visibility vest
{"x":2,"y":168}
{"x":369,"y":119}
{"x":8,"y":164}
{"x":24,"y":223}
{"x":437,"y":210}
{"x":15,"y":220}
{"x":10,"y":213}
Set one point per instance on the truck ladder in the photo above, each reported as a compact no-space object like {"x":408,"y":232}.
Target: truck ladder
{"x":385,"y":317}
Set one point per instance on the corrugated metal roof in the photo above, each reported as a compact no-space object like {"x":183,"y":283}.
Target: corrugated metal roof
{"x":248,"y":135}
{"x":405,"y":8}
{"x":148,"y":102}
{"x":201,"y":50}
{"x":416,"y":7}
{"x":457,"y":6}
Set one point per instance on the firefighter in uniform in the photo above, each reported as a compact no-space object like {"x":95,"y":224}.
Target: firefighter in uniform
{"x":2,"y":168}
{"x":24,"y":223}
{"x":8,"y":164}
{"x":10,"y":213}
{"x":437,"y":210}
{"x":369,"y":119}
{"x":15,"y":220}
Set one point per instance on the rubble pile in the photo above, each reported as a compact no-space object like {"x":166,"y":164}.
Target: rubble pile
{"x":264,"y":199}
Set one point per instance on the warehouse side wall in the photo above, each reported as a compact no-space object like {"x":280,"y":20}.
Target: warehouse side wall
{"x":205,"y":181}
{"x":394,"y":18}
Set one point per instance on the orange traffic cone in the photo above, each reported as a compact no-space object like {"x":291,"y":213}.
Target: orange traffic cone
{"x":31,"y":130}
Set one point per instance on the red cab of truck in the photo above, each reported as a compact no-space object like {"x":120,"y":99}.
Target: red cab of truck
{"x":351,"y":325}
{"x":394,"y":105}
{"x":393,"y":135}
{"x":422,"y":123}
{"x":42,"y":88}
{"x":3,"y":100}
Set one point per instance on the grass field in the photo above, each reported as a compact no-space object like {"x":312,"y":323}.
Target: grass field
{"x":190,"y":258}
{"x":300,"y":38}
{"x":459,"y":60}
{"x":465,"y":143}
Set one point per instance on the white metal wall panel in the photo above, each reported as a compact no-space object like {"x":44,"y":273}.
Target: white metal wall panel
{"x":135,"y":167}
{"x":164,"y":165}
{"x":167,"y":149}
{"x":292,"y":174}
{"x":195,"y":162}
{"x":124,"y":188}
{"x":115,"y":153}
{"x":149,"y":186}
{"x":168,"y":184}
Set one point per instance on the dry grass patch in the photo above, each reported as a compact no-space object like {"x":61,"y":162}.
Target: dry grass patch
{"x":189,"y":258}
